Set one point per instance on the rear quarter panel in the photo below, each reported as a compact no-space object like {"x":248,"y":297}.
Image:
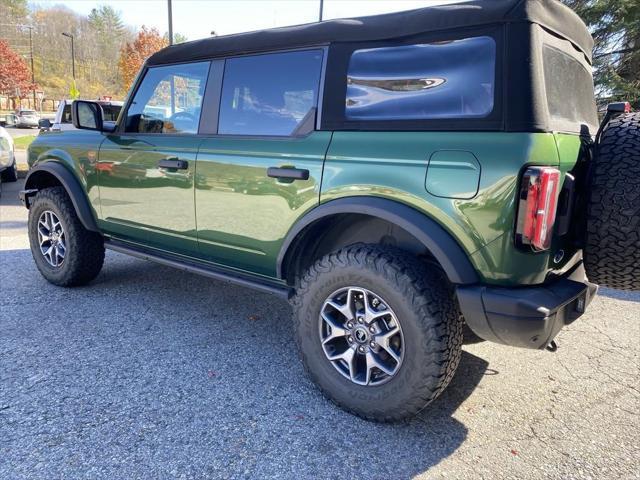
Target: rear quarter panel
{"x":394,"y":165}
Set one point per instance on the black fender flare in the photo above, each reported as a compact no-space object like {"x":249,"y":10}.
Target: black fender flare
{"x":446,"y":250}
{"x":71,"y":184}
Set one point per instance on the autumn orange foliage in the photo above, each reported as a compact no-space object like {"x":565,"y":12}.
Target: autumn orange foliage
{"x":15,"y":75}
{"x":133,"y":54}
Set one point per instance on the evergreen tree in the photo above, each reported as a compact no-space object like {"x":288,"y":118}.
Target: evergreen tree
{"x":615,"y":26}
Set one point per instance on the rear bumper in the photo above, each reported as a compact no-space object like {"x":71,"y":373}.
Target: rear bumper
{"x":528,"y":317}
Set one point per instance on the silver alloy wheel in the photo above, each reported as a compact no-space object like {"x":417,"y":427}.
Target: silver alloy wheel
{"x":52,"y":239}
{"x":361,"y":336}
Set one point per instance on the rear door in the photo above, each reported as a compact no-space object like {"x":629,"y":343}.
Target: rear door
{"x":146,"y":169}
{"x":260,"y":168}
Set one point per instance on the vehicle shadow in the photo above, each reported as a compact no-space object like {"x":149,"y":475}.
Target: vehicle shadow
{"x":197,"y":377}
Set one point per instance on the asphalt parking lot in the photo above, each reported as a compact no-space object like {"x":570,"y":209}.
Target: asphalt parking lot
{"x":151,"y":372}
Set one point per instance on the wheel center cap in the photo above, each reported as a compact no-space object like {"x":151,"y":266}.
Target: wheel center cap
{"x":361,"y":335}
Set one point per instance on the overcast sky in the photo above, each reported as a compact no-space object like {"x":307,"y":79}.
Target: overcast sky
{"x":197,"y":18}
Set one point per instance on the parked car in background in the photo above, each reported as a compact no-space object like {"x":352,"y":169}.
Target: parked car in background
{"x":8,"y":120}
{"x":8,"y":168}
{"x":62,"y":121}
{"x":27,"y":119}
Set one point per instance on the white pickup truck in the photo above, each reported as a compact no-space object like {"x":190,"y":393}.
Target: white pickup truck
{"x":62,"y":121}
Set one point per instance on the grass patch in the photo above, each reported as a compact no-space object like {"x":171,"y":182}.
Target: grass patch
{"x":21,"y":143}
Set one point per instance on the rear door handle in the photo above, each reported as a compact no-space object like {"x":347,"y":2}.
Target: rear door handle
{"x":288,"y":172}
{"x":174,"y":163}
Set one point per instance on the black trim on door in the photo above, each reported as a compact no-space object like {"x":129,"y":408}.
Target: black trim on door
{"x":211,"y":101}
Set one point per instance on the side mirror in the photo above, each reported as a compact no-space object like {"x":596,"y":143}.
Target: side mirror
{"x":87,"y":115}
{"x":45,"y":124}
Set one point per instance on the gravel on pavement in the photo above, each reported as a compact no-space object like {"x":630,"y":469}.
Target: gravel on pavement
{"x":150,"y":372}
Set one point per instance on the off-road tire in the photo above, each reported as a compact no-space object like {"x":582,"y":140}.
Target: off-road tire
{"x":423,"y":300}
{"x":85,"y":249}
{"x":10,"y":174}
{"x":612,"y":238}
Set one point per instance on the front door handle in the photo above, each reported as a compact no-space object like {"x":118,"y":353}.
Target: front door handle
{"x":288,"y":172}
{"x":174,"y":163}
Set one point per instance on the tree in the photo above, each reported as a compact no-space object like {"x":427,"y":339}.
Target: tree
{"x":15,"y":76}
{"x":106,"y":21}
{"x":133,"y":54}
{"x":615,"y":26}
{"x":179,"y":38}
{"x":12,"y":10}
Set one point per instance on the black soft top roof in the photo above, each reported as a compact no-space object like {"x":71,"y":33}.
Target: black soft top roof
{"x":551,"y":14}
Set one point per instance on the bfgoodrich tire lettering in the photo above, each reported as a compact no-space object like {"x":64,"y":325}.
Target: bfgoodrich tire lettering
{"x":612,"y":247}
{"x":424,"y":303}
{"x":84,"y":252}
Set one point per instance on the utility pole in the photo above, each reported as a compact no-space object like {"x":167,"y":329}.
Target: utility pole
{"x":321,"y":5}
{"x":73,"y":55}
{"x":170,"y":22}
{"x":33,"y":73}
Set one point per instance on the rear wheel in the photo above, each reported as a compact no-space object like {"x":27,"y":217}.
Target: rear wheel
{"x":612,"y":247}
{"x":66,"y":253}
{"x":378,"y":331}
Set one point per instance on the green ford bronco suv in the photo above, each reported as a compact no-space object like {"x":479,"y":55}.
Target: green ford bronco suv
{"x":396,"y":177}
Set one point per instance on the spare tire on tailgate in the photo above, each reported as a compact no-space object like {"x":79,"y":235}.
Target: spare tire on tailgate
{"x":612,"y":238}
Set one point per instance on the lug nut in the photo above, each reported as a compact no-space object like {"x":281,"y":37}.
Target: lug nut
{"x":372,"y":329}
{"x":350,"y":339}
{"x":373,"y":344}
{"x":361,"y":349}
{"x":350,"y":325}
{"x":360,"y":319}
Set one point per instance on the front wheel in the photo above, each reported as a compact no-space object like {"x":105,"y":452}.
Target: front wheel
{"x":378,"y":331}
{"x":66,"y":253}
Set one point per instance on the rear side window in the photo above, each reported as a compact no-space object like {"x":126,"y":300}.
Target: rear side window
{"x":451,"y":79}
{"x":169,"y":99}
{"x":269,"y":94}
{"x":569,"y":89}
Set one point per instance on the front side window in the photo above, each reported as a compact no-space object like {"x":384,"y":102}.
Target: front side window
{"x":111,"y":112}
{"x":169,"y":100}
{"x":66,"y":114}
{"x":442,"y":80}
{"x":269,"y":94}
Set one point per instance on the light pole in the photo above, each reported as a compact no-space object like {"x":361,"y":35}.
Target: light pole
{"x":33,"y":73}
{"x":170,"y":22}
{"x":321,"y":5}
{"x":73,"y":55}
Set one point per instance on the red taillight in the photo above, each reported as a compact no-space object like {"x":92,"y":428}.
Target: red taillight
{"x":537,"y":208}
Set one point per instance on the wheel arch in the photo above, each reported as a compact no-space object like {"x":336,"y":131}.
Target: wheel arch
{"x":424,"y":230}
{"x":48,"y":174}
